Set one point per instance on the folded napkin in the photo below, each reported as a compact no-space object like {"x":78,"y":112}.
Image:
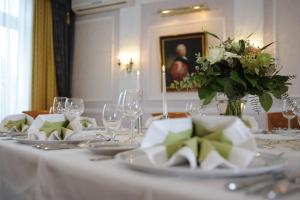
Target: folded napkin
{"x":16,"y":123}
{"x":208,"y":141}
{"x":151,"y":119}
{"x":82,"y":122}
{"x":250,"y":122}
{"x":58,"y":127}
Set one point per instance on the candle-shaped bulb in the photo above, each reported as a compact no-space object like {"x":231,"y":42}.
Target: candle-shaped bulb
{"x":163,"y":68}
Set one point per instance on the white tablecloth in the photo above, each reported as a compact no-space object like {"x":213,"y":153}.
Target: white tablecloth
{"x":30,"y":174}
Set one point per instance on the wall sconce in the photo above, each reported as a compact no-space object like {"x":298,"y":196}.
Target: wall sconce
{"x":127,"y":65}
{"x":182,"y":10}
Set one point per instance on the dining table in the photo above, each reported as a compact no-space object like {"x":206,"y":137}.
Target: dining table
{"x":28,"y":173}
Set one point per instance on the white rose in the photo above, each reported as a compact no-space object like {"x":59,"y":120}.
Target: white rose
{"x":215,"y":54}
{"x":231,"y":55}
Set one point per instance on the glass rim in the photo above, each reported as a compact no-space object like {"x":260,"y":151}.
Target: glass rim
{"x":72,"y":99}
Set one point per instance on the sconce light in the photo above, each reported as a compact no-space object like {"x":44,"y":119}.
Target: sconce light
{"x":127,"y":65}
{"x":182,"y":10}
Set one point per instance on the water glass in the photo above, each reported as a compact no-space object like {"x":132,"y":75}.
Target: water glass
{"x":193,"y":108}
{"x":112,"y":118}
{"x":297,"y":109}
{"x":59,"y":105}
{"x":288,"y":111}
{"x":131,"y":104}
{"x":74,"y":107}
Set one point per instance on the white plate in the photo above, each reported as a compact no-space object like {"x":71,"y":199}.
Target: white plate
{"x":12,"y":134}
{"x":285,"y":131}
{"x":277,"y":137}
{"x":25,"y":140}
{"x":262,"y":163}
{"x":110,"y":148}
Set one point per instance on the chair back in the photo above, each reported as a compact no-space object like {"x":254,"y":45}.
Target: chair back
{"x":276,"y":120}
{"x":35,"y":113}
{"x":172,"y":115}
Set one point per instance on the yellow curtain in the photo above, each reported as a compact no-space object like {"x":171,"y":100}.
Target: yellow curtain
{"x":43,"y":67}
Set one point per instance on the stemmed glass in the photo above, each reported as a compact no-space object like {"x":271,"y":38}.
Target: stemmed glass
{"x":59,"y":105}
{"x":74,"y":107}
{"x":288,"y":112}
{"x":131,"y":104}
{"x":112,"y":118}
{"x":297,"y":109}
{"x":193,"y":108}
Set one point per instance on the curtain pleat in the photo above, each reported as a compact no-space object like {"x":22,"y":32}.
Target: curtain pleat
{"x":63,"y":36}
{"x":44,"y":86}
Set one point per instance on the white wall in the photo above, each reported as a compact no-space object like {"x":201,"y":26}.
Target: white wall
{"x":137,"y":29}
{"x":288,"y":39}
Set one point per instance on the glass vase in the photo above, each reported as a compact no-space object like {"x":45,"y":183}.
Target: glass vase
{"x":231,"y":107}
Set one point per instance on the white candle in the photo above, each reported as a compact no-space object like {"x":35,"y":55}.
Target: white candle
{"x":138,"y":80}
{"x":165,"y":108}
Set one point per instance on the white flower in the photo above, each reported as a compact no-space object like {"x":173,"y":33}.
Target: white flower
{"x":231,"y":55}
{"x":215,"y":54}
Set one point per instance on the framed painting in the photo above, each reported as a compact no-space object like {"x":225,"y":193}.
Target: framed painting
{"x":178,"y":55}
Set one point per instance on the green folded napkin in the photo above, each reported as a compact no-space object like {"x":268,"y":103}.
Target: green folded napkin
{"x":85,"y":122}
{"x":17,"y":124}
{"x":200,"y":140}
{"x":61,"y":127}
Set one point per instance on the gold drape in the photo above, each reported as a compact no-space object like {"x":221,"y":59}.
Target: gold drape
{"x":43,"y":67}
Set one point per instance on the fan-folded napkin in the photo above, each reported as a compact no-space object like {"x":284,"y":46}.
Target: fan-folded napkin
{"x":16,"y":123}
{"x":208,"y":141}
{"x":58,"y":127}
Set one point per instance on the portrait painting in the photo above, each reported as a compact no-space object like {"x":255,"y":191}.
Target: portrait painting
{"x":178,"y":55}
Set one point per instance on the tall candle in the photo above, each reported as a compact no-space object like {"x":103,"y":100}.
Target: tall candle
{"x":165,"y":108}
{"x":138,"y":80}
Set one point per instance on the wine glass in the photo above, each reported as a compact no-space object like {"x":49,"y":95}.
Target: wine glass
{"x":112,"y":118}
{"x":288,"y":111}
{"x":74,"y":107}
{"x":59,"y":105}
{"x":297,"y":109}
{"x":193,"y":108}
{"x":131,"y":104}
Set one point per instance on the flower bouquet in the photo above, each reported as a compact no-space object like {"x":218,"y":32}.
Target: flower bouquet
{"x":237,"y":69}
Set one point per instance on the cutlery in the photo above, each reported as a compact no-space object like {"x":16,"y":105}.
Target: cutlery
{"x":55,"y":146}
{"x":272,"y":186}
{"x":99,"y":158}
{"x":94,"y":129}
{"x":7,"y":138}
{"x":282,"y":189}
{"x":243,"y":183}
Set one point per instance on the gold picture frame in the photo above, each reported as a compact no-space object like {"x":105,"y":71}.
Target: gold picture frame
{"x":178,"y":55}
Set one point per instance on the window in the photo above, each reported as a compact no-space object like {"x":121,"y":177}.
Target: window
{"x":15,"y":56}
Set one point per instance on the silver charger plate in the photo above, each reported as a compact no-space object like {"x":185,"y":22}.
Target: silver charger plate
{"x":110,"y":148}
{"x":262,"y":163}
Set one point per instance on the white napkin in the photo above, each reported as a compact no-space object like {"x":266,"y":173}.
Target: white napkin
{"x":151,"y":119}
{"x":78,"y":122}
{"x":243,"y":142}
{"x":15,"y":118}
{"x":251,"y":121}
{"x":34,"y":132}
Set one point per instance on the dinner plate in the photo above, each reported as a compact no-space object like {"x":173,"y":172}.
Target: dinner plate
{"x":12,"y":134}
{"x":110,"y":147}
{"x":262,"y":163}
{"x":286,"y":131}
{"x":25,"y":140}
{"x":277,"y":137}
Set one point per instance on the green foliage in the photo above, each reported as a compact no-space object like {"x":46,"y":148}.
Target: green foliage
{"x":243,"y":70}
{"x":266,"y":101}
